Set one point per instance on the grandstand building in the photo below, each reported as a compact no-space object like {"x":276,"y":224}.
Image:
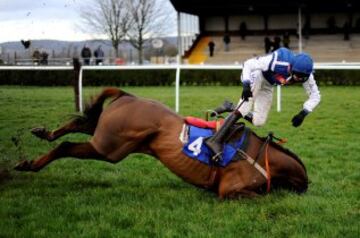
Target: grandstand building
{"x":328,"y":30}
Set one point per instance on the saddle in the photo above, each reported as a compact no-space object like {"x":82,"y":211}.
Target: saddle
{"x":196,"y":131}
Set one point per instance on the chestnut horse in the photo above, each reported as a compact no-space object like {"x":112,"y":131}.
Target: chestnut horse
{"x":130,"y":124}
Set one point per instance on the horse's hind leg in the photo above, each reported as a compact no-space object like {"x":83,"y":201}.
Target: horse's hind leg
{"x":65,"y":149}
{"x":76,"y":125}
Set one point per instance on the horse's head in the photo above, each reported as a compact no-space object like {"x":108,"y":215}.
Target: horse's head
{"x":289,"y":171}
{"x":283,"y":167}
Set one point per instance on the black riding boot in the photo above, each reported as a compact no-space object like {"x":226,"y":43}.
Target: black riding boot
{"x":215,"y":142}
{"x":249,"y":117}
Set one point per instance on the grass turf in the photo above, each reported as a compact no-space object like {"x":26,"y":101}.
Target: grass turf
{"x":140,"y":198}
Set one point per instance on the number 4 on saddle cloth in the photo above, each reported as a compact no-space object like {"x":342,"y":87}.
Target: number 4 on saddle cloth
{"x":196,"y":131}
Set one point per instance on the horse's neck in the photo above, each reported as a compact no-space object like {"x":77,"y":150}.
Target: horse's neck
{"x":285,"y":164}
{"x":287,"y":170}
{"x":279,"y":157}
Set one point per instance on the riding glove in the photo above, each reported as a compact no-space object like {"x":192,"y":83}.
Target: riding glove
{"x":246,"y":93}
{"x":299,"y":118}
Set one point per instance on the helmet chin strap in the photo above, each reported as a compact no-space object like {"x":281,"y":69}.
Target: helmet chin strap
{"x":289,"y":79}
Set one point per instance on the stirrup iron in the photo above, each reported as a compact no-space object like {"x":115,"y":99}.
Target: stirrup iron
{"x":217,"y":157}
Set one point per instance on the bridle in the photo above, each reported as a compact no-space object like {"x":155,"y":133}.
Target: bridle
{"x":264,"y":148}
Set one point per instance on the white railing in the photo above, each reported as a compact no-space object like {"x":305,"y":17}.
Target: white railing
{"x":178,"y":68}
{"x":35,"y":67}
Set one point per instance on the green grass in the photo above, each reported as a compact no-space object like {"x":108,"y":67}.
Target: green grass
{"x":141,"y":198}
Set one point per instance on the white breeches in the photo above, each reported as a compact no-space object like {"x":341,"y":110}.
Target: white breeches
{"x":259,"y":105}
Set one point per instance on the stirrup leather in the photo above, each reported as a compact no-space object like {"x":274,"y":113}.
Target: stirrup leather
{"x":215,"y":143}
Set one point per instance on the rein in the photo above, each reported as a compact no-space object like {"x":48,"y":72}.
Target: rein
{"x":264,"y":147}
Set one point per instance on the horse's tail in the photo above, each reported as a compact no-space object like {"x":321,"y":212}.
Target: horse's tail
{"x":94,"y":108}
{"x":99,"y":100}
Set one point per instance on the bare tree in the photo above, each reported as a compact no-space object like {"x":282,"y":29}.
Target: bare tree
{"x":109,"y":17}
{"x":150,"y":18}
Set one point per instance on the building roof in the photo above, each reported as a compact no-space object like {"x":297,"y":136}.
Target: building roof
{"x":231,"y":7}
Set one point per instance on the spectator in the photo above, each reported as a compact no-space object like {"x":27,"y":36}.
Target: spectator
{"x":36,"y":57}
{"x":346,"y":29}
{"x":44,"y":58}
{"x":99,"y":55}
{"x":267,"y":44}
{"x":243,"y":30}
{"x":286,"y":40}
{"x":227,"y":41}
{"x":211,"y":48}
{"x":86,"y":54}
{"x":276,"y":43}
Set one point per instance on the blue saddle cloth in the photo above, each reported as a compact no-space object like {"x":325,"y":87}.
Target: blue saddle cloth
{"x":196,"y":148}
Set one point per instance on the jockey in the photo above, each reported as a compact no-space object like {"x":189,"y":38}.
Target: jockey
{"x":258,"y":77}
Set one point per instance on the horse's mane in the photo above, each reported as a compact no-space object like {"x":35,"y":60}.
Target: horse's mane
{"x":283,"y":149}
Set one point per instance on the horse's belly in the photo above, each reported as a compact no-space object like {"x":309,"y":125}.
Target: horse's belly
{"x":168,"y":149}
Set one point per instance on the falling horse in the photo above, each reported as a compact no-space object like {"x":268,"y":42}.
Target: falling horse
{"x":130,"y":124}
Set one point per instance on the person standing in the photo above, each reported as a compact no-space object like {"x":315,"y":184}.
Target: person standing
{"x":99,"y":55}
{"x":258,"y":77}
{"x":243,"y":30}
{"x":36,"y":57}
{"x":286,"y":40}
{"x":86,"y":54}
{"x":211,"y":46}
{"x":267,"y":44}
{"x":44,"y":58}
{"x":227,"y":41}
{"x":276,"y":43}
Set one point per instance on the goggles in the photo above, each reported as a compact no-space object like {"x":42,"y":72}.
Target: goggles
{"x":299,"y":77}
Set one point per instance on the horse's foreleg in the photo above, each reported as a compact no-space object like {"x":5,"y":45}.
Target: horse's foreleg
{"x":234,"y":186}
{"x":71,"y":127}
{"x":65,"y":149}
{"x":236,"y":191}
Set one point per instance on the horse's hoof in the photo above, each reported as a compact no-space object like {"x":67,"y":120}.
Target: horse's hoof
{"x":40,"y":132}
{"x":24,"y":165}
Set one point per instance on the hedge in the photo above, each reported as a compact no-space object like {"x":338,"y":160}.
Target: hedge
{"x":155,"y":77}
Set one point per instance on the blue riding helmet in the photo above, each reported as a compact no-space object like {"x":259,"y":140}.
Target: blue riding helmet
{"x":303,"y":64}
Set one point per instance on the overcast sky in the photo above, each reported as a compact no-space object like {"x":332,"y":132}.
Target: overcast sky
{"x":41,"y":19}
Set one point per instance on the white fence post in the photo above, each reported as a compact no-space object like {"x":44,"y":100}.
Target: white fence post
{"x":80,"y":90}
{"x":177,"y":90}
{"x":278,"y":95}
